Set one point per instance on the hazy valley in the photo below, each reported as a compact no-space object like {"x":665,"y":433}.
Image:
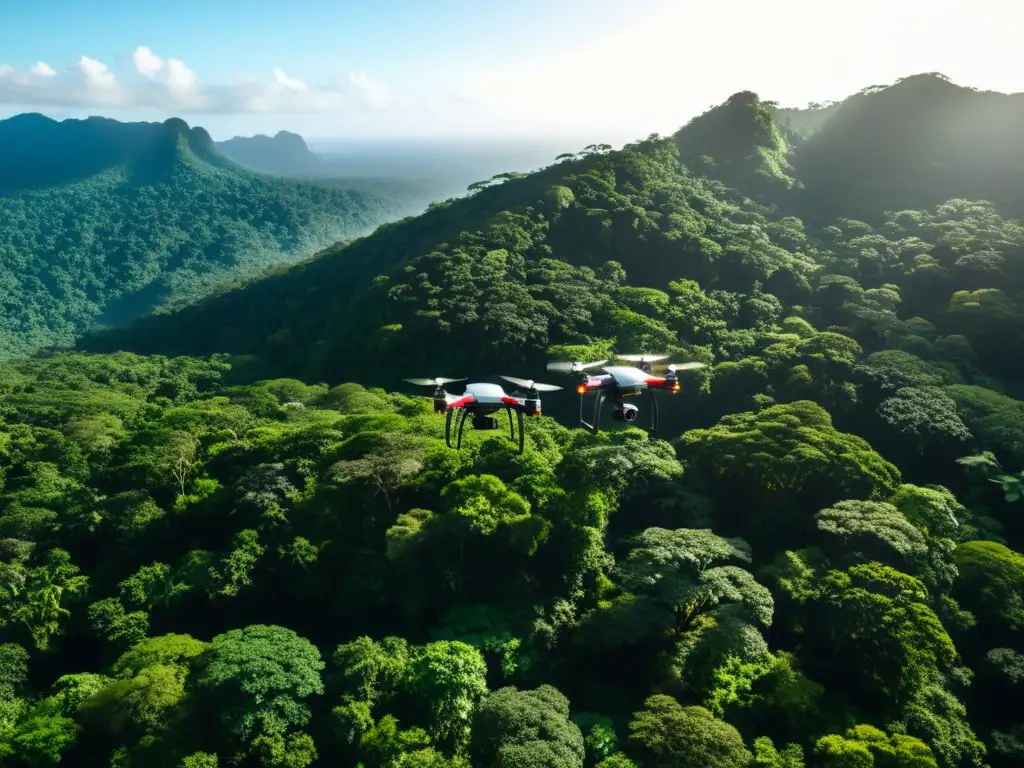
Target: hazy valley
{"x":435,"y":168}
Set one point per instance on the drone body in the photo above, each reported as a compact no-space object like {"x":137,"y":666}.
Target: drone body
{"x":622,"y":381}
{"x":481,"y":400}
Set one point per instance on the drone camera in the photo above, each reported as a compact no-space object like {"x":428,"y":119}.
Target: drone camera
{"x":485,"y":422}
{"x":625,"y":412}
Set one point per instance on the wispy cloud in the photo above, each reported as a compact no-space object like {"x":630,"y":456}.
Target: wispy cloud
{"x":43,"y":69}
{"x":371,"y":92}
{"x":170,"y":85}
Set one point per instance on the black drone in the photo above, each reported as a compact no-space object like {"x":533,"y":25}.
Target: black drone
{"x":619,"y":381}
{"x":481,"y":400}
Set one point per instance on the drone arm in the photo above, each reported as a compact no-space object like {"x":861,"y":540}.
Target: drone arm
{"x":461,"y":402}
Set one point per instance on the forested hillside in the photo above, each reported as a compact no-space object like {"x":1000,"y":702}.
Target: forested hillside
{"x":106,"y":221}
{"x":915,"y":144}
{"x":255,"y":556}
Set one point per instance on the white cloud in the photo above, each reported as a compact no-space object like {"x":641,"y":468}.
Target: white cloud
{"x":288,"y":82}
{"x":180,"y":77}
{"x":42,"y":68}
{"x":97,"y":74}
{"x":147,"y":62}
{"x":371,"y":92}
{"x":170,"y":86}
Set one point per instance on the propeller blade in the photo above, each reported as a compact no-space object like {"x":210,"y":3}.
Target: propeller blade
{"x":448,"y":396}
{"x":529,"y":384}
{"x":563,"y":366}
{"x":686,"y":366}
{"x":567,"y":367}
{"x":439,"y":381}
{"x":642,"y":358}
{"x":524,"y":383}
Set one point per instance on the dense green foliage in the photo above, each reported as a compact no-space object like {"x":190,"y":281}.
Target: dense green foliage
{"x":143,"y":216}
{"x":816,"y":564}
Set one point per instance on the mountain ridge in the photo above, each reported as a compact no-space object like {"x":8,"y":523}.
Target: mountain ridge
{"x":79,"y":148}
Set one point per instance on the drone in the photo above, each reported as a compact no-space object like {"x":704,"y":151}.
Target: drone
{"x":482,"y":399}
{"x":619,"y":381}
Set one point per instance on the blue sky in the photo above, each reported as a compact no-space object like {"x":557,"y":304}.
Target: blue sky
{"x":392,"y":39}
{"x":331,"y":68}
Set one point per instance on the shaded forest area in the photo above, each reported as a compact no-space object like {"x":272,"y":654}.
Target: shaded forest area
{"x":236,"y":559}
{"x":102,"y":221}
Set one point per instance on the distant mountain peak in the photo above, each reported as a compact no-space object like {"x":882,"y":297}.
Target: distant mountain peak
{"x":284,"y":153}
{"x":177,"y":125}
{"x":738,"y":143}
{"x":203,"y":147}
{"x":27,"y":119}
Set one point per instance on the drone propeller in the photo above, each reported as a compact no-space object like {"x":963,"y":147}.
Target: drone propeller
{"x":642,"y":358}
{"x":566,"y":367}
{"x":440,"y":381}
{"x":448,"y":397}
{"x":530,"y":384}
{"x":685,"y":366}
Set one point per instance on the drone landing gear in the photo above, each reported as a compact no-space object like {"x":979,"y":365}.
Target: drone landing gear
{"x":512,"y":429}
{"x":599,"y":401}
{"x":460,"y":417}
{"x":461,"y":425}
